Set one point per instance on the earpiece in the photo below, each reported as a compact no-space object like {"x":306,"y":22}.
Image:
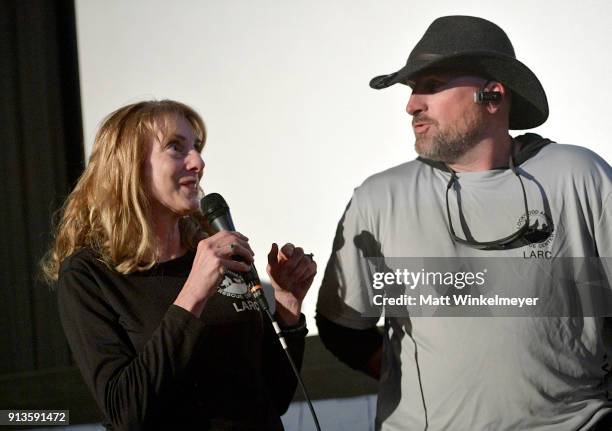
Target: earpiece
{"x":486,"y":96}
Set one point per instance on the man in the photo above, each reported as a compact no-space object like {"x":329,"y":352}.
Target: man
{"x":476,"y":192}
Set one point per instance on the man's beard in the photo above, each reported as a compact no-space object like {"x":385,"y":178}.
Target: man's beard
{"x":450,"y":144}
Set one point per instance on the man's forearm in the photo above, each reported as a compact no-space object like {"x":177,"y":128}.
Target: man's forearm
{"x":360,"y":349}
{"x":374,"y":364}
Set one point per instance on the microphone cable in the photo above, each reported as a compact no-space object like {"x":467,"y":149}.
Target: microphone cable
{"x":256,"y":292}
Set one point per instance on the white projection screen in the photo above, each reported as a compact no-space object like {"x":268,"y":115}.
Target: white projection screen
{"x":283,"y":88}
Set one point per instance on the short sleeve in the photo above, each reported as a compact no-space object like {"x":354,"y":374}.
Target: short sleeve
{"x":346,"y":296}
{"x":603,"y":231}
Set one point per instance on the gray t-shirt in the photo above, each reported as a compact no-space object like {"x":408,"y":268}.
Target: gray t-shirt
{"x":479,"y":373}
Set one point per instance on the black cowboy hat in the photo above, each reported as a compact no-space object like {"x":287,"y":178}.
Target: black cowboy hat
{"x":475,"y":45}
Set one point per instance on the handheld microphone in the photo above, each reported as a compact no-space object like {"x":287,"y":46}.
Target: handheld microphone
{"x":218,"y":216}
{"x":482,"y":96}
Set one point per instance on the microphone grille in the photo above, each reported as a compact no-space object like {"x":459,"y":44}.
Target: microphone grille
{"x":213,"y":205}
{"x":212,"y":202}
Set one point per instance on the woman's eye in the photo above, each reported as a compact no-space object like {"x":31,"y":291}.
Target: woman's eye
{"x":174,"y":145}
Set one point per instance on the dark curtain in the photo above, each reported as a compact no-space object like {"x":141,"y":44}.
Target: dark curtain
{"x":41,"y":142}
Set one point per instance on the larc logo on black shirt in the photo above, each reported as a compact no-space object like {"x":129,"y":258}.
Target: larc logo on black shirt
{"x":233,"y":286}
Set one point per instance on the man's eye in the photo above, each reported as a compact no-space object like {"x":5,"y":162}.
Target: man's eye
{"x":432,"y":86}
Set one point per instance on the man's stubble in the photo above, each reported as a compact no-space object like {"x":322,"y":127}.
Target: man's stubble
{"x":452,"y":142}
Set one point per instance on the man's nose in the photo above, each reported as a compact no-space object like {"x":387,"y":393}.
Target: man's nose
{"x":416,"y":104}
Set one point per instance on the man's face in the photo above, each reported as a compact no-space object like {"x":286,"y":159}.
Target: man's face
{"x":446,"y":121}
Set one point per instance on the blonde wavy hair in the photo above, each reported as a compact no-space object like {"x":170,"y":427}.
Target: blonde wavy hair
{"x":108,"y":210}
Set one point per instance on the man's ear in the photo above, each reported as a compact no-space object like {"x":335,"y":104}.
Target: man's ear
{"x":494,"y":96}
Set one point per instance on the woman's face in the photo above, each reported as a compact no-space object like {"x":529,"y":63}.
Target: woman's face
{"x":173,"y":168}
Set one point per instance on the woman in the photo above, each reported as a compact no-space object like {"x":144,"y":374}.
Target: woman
{"x":152,"y":307}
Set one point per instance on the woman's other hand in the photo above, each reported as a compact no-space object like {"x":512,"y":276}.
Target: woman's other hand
{"x":291,"y":273}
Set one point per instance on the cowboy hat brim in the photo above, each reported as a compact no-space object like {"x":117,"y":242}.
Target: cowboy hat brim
{"x":529,"y":104}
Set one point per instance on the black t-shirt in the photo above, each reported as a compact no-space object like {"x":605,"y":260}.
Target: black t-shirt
{"x":153,"y":365}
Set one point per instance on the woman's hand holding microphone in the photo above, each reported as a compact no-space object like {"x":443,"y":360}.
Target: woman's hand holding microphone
{"x":291,"y":273}
{"x":213,"y":258}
